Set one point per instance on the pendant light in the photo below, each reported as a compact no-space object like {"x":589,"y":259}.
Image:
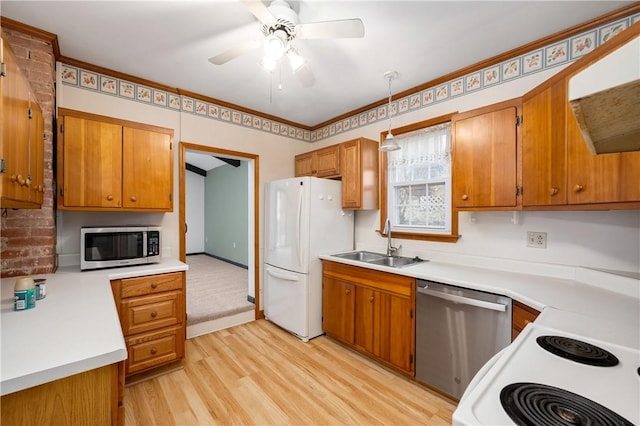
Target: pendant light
{"x":389,"y":143}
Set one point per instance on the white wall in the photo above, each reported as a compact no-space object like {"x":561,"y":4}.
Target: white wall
{"x":597,"y":239}
{"x":605,"y":239}
{"x":194,"y":214}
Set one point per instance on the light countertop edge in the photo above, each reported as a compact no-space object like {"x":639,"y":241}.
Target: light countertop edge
{"x":74,"y":329}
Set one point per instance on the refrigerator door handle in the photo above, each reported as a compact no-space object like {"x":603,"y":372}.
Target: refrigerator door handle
{"x":299,"y":227}
{"x":287,"y":277}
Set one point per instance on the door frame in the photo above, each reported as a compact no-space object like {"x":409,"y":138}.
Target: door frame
{"x":184,"y":146}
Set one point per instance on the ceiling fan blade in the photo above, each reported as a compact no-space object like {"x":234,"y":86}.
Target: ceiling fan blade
{"x":259,"y":10}
{"x":346,"y":28}
{"x":305,"y":76}
{"x":235,"y":51}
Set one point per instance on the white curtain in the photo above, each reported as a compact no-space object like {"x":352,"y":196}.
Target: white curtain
{"x":425,"y":147}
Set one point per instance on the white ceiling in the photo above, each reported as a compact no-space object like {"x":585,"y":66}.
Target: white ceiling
{"x":169,"y":42}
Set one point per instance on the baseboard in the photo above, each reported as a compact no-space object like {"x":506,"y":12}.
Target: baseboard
{"x":239,"y":265}
{"x":207,"y":327}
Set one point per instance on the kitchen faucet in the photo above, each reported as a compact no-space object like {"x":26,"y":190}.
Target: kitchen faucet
{"x":391,"y":250}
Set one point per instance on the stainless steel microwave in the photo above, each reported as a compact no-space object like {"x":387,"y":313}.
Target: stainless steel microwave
{"x":111,"y":246}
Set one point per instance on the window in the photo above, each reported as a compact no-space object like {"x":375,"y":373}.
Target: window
{"x":417,"y":179}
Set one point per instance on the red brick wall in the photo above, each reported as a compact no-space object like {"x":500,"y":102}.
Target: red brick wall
{"x":28,"y":237}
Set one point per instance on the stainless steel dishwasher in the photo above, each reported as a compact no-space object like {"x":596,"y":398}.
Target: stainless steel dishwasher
{"x":457,"y":331}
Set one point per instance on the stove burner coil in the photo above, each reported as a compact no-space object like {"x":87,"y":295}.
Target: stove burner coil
{"x":533,"y":404}
{"x":576,"y":350}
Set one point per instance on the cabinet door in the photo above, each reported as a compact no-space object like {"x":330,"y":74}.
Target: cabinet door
{"x":338,"y":309}
{"x":304,"y":165}
{"x":543,"y":147}
{"x":401,"y":340}
{"x":351,"y":175}
{"x":92,"y":163}
{"x":147,"y":169}
{"x":366,"y":328}
{"x":15,"y":132}
{"x":602,"y":178}
{"x":36,"y":149}
{"x":484,"y":157}
{"x":328,"y":162}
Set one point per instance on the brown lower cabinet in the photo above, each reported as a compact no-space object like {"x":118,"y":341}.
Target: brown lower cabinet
{"x":152,"y":315}
{"x":94,"y":397}
{"x":371,"y":311}
{"x":521,"y":316}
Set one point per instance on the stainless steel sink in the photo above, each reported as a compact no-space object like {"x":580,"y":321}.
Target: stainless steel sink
{"x":379,"y":258}
{"x":396,"y":261}
{"x":360,"y":256}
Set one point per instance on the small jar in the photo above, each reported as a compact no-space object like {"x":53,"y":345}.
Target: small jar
{"x":41,"y":288}
{"x":24,"y":294}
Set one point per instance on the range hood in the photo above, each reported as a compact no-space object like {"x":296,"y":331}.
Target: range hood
{"x":605,"y":98}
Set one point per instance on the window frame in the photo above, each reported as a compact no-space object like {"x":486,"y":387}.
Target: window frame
{"x":453,"y":236}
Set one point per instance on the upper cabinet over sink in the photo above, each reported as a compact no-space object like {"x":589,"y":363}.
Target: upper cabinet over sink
{"x":105,"y":164}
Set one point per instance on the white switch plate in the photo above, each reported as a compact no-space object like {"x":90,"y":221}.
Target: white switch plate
{"x":537,"y":239}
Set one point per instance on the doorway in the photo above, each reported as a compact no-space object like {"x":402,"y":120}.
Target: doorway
{"x":250,"y":164}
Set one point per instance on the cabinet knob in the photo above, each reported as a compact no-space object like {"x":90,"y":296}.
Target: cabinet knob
{"x":109,"y":197}
{"x":370,"y":298}
{"x":154,"y":285}
{"x":553,"y":191}
{"x":465,"y":197}
{"x":577,"y":188}
{"x":347,"y":291}
{"x":154,"y":351}
{"x":154,"y":314}
{"x":133,"y":198}
{"x":20,"y":180}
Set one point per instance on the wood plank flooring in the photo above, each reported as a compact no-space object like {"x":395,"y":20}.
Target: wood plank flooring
{"x":256,"y":373}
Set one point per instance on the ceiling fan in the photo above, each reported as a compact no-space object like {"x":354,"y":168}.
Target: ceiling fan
{"x":280,"y":26}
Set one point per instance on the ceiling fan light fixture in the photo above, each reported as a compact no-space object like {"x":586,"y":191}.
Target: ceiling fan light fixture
{"x":295,"y":60}
{"x":275,"y":45}
{"x":389,"y":143}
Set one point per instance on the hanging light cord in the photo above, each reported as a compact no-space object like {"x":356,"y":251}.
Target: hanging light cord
{"x":389,"y":109}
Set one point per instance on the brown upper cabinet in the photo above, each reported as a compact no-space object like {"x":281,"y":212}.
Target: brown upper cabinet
{"x":354,"y":162}
{"x":22,"y":143}
{"x":557,"y":167}
{"x":484,"y":156}
{"x":322,"y":163}
{"x":108,"y":164}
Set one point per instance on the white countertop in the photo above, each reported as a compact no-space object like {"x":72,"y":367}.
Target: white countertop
{"x":75,"y":328}
{"x":593,"y":293}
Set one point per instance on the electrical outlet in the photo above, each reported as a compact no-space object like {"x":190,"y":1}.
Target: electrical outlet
{"x":537,"y":239}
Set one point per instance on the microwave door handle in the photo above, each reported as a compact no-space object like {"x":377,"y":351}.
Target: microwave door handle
{"x":463,"y":300}
{"x":145,"y":252}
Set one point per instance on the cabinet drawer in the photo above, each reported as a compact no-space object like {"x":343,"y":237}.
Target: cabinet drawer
{"x":151,"y":284}
{"x":151,"y":312}
{"x":153,"y":349}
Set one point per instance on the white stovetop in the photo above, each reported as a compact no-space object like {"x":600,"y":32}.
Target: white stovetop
{"x":75,"y":328}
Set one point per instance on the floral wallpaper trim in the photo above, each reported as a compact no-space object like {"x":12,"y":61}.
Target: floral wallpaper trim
{"x":559,"y":53}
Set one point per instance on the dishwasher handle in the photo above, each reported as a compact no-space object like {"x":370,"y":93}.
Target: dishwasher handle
{"x":463,"y":300}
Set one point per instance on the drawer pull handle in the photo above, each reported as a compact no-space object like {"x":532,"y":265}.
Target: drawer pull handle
{"x":370,"y":298}
{"x":109,"y":197}
{"x":553,"y":191}
{"x":347,"y":291}
{"x":154,"y":285}
{"x":578,"y":188}
{"x":154,"y":351}
{"x":465,"y":197}
{"x":133,"y":198}
{"x":154,"y":314}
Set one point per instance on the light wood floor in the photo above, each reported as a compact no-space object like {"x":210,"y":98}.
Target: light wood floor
{"x":256,"y":373}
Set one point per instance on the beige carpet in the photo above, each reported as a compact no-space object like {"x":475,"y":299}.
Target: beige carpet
{"x":215,"y":289}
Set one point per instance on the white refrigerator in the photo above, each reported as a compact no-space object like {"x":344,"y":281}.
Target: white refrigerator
{"x":303,"y":219}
